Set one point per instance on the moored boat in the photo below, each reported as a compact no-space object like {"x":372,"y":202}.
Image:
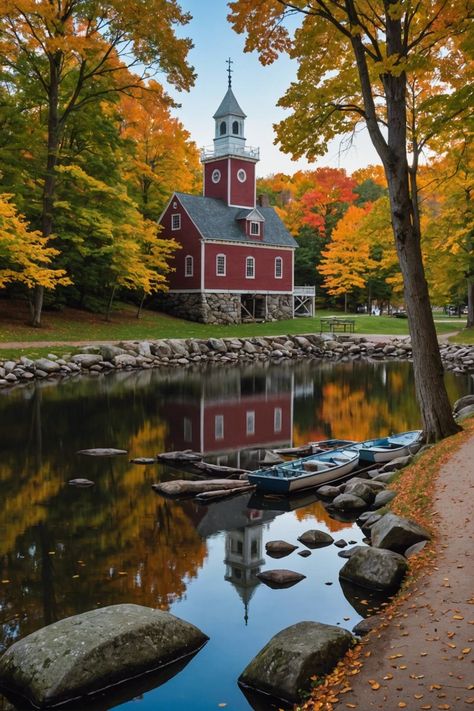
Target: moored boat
{"x":312,"y":471}
{"x":384,"y":449}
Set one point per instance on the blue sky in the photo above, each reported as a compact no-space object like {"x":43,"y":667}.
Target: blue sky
{"x":256,"y":88}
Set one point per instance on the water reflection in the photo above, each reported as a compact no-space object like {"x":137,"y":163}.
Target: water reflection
{"x":65,"y":550}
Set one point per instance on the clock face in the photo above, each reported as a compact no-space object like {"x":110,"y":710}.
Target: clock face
{"x":241,"y":175}
{"x":216,"y":175}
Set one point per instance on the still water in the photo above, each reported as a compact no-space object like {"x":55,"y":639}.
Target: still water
{"x":65,"y":550}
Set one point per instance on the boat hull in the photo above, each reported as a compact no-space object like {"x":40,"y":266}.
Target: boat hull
{"x":388,"y":448}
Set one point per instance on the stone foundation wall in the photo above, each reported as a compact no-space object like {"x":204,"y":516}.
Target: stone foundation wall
{"x":221,"y":308}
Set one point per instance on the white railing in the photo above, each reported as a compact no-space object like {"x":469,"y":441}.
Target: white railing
{"x":209,"y":152}
{"x":304,"y":291}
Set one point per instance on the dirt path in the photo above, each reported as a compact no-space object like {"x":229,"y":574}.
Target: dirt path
{"x":424,"y":658}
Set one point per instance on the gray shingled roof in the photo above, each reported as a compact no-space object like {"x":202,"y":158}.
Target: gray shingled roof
{"x":228,"y":106}
{"x":216,"y":220}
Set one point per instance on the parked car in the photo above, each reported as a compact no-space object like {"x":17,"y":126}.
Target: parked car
{"x":399,"y":313}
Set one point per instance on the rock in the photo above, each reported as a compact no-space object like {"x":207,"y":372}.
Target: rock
{"x":94,"y":650}
{"x":11,"y":378}
{"x":375,"y":569}
{"x":271,"y":458}
{"x":374,"y":485}
{"x":177,"y":347}
{"x":305,"y":553}
{"x":463,"y":402}
{"x":144,"y":349}
{"x":397,"y":533}
{"x":369,"y":522}
{"x":125,"y":360}
{"x":383,"y":498}
{"x":46,"y":365}
{"x":143,"y":460}
{"x":362,"y":490}
{"x":315,"y":539}
{"x":396,"y":464}
{"x":217,"y":344}
{"x":465,"y":412}
{"x":81,"y":482}
{"x":249,"y":348}
{"x":385,"y":478}
{"x":186,"y":455}
{"x":279,"y":549}
{"x":284,"y":667}
{"x":9,"y":365}
{"x":183,"y":487}
{"x":102,"y":452}
{"x":365,"y":626}
{"x":341,"y":543}
{"x":349,"y":552}
{"x":280,"y":578}
{"x":328,"y":491}
{"x":349,"y":502}
{"x":108,"y":353}
{"x":414,"y":549}
{"x":86,"y":360}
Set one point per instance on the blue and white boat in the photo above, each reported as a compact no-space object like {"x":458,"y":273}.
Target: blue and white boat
{"x":385,"y":449}
{"x":312,"y":471}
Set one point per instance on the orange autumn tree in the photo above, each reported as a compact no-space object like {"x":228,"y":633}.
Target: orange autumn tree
{"x":25,"y":255}
{"x":71,"y":53}
{"x":164,"y":157}
{"x":346,"y":262}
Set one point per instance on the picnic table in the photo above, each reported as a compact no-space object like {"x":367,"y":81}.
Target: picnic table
{"x":334,"y":323}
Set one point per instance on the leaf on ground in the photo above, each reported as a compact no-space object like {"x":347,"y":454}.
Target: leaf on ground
{"x":466,"y":650}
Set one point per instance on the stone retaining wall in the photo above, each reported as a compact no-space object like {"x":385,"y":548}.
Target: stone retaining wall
{"x":222,"y":308}
{"x":177,"y":353}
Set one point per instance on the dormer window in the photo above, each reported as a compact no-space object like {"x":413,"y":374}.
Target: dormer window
{"x":255,"y":229}
{"x":235,"y":128}
{"x":222,"y":128}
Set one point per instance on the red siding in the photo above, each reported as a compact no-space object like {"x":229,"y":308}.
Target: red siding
{"x":189,"y":238}
{"x":242,"y":193}
{"x":216,"y":190}
{"x":235,"y":272}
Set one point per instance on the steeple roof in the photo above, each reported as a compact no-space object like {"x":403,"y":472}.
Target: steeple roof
{"x":229,"y":105}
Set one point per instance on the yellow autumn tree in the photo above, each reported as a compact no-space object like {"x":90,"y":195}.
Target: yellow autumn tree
{"x":346,"y":262}
{"x":25,"y":255}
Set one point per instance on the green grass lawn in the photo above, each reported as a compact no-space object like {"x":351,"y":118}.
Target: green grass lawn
{"x":72,"y":325}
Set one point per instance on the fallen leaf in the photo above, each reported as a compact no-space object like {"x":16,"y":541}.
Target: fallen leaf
{"x":388,"y":676}
{"x":395,"y":656}
{"x":418,"y":696}
{"x":466,"y":650}
{"x":402,"y":705}
{"x":457,"y":617}
{"x":435,"y":686}
{"x":426,"y":707}
{"x":5,"y":582}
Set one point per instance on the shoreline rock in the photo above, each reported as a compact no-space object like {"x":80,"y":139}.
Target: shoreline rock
{"x":182,"y":353}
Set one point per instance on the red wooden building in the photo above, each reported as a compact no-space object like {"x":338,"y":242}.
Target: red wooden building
{"x":236,"y":261}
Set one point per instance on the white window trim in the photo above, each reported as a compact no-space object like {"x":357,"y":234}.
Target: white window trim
{"x":257,"y":233}
{"x":223,"y":256}
{"x":250,"y":422}
{"x":219,"y":427}
{"x":247,"y":262}
{"x":280,"y":261}
{"x":188,"y":260}
{"x":277,"y":419}
{"x":173,"y":227}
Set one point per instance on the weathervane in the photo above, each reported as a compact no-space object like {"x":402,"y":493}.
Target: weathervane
{"x":229,"y":71}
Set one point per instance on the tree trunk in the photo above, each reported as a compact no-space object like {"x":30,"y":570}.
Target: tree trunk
{"x":50,"y":175}
{"x":109,"y":306}
{"x":142,"y":300}
{"x":470,"y":301}
{"x":345,"y":302}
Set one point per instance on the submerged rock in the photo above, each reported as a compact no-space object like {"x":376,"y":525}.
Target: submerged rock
{"x":89,"y":652}
{"x":143,"y":460}
{"x":280,"y":578}
{"x":102,"y":452}
{"x":315,"y":539}
{"x":279,"y":549}
{"x":375,"y":569}
{"x":284,"y":667}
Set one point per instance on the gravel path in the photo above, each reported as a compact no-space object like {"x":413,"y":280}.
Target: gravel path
{"x":424,"y":658}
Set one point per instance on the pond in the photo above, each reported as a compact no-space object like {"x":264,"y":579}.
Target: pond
{"x":65,"y":550}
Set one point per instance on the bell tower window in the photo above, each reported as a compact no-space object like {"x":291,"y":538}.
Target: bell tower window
{"x":235,"y":128}
{"x":222,"y":128}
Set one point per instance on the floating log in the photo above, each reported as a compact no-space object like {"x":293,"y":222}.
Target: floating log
{"x":207,"y":496}
{"x":218,"y":469}
{"x":187,"y":455}
{"x":181,"y":487}
{"x":81,"y":482}
{"x":143,"y":460}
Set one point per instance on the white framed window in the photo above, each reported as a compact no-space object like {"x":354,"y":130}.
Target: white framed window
{"x":255,"y":229}
{"x":219,"y":427}
{"x":250,"y":268}
{"x":187,"y":429}
{"x":250,"y":417}
{"x":278,"y":268}
{"x":277,"y":419}
{"x":241,"y":175}
{"x":176,"y":221}
{"x":216,"y":175}
{"x":221,"y":265}
{"x":188,"y":266}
